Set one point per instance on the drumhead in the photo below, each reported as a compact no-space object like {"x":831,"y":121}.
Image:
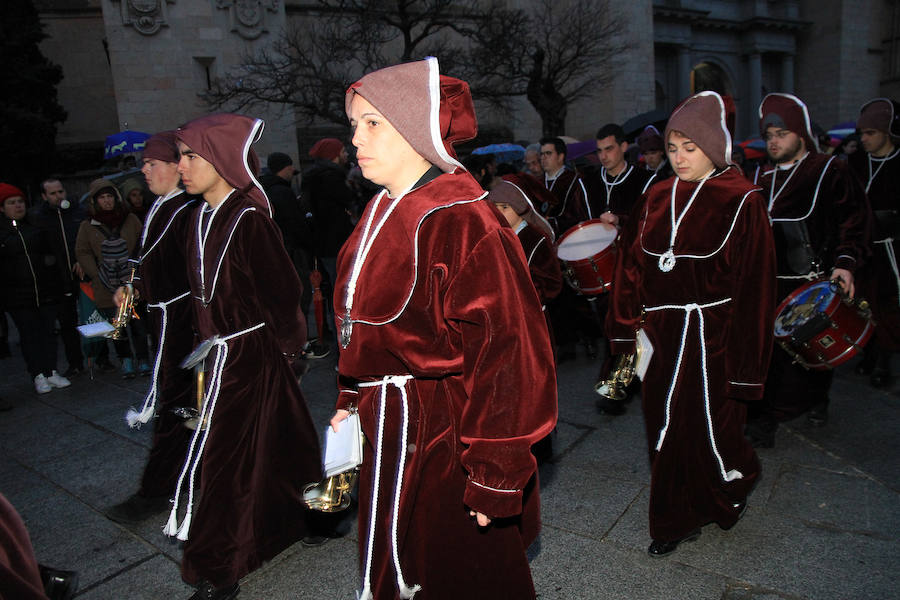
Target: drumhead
{"x":798,"y":308}
{"x":586,"y":240}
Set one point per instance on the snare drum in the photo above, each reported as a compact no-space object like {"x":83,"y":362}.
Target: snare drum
{"x":588,"y":253}
{"x":820,"y":327}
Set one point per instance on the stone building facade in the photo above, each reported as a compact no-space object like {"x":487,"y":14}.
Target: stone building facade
{"x":142,"y":63}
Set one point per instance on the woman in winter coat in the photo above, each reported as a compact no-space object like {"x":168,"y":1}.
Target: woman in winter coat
{"x":105,"y":243}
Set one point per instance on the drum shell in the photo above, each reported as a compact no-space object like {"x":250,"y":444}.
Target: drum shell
{"x":591,"y":275}
{"x":831,"y":337}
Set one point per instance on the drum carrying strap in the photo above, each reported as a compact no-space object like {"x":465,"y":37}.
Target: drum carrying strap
{"x":892,"y":259}
{"x":799,"y":253}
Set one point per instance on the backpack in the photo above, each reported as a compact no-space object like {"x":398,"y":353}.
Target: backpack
{"x":113,"y":267}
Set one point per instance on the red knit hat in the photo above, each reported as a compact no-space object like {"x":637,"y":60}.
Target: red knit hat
{"x":223,"y":140}
{"x":8,"y":191}
{"x":431,"y":111}
{"x":704,"y":119}
{"x":787,"y":111}
{"x":162,"y":146}
{"x":880,"y":114}
{"x":327,"y":149}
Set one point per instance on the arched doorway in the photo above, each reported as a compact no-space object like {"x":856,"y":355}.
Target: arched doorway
{"x":710,"y":76}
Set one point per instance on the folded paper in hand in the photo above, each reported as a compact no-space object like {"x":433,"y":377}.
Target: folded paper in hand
{"x":343,"y":450}
{"x":97,"y":329}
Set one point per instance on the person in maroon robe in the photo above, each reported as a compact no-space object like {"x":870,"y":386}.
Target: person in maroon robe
{"x":820,"y":220}
{"x":258,"y":444}
{"x":572,"y":205}
{"x":165,"y":287}
{"x":697,"y":284}
{"x":452,"y":386}
{"x":878,"y":170}
{"x":511,"y":197}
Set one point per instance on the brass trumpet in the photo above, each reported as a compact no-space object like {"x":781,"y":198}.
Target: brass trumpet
{"x":125,"y":310}
{"x":619,"y":377}
{"x":332,"y":494}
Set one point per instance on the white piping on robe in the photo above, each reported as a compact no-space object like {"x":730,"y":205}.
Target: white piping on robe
{"x":206,"y":415}
{"x":136,"y":419}
{"x":688,"y":309}
{"x":398,"y":381}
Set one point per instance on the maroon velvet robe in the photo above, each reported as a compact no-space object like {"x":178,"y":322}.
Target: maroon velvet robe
{"x":837,"y":219}
{"x":160,"y":279}
{"x":20,"y":578}
{"x":572,"y":203}
{"x":262,"y":446}
{"x":727,"y":233}
{"x":448,"y":286}
{"x":878,"y":283}
{"x":543,"y":266}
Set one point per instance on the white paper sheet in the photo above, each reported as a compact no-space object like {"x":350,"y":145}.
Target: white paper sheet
{"x":343,"y":450}
{"x":98,"y":329}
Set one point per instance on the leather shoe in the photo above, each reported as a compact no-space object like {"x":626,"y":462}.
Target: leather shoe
{"x":206,"y":591}
{"x":58,"y":584}
{"x":818,"y":415}
{"x":881,"y":378}
{"x":658,"y":549}
{"x":613,"y":408}
{"x":136,"y":509}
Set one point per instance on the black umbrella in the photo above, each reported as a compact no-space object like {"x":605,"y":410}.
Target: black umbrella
{"x":636,"y":124}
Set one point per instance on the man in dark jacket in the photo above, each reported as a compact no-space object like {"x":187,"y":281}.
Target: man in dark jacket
{"x":291,"y":219}
{"x":333,"y":205}
{"x":60,"y":219}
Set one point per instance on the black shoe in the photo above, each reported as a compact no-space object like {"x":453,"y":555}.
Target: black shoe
{"x":104,"y":366}
{"x":613,"y":408}
{"x":591,"y":349}
{"x":316,"y":351}
{"x":206,"y":591}
{"x":761,"y":432}
{"x":73,"y":372}
{"x":741,"y":508}
{"x":58,"y":584}
{"x":136,"y":509}
{"x":313,"y":541}
{"x":658,"y":549}
{"x":881,"y":378}
{"x":818,"y":415}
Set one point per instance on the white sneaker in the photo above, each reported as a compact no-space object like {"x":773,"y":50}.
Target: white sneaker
{"x":41,"y":385}
{"x":58,"y":381}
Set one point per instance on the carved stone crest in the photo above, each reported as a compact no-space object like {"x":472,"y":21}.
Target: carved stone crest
{"x":248,"y":17}
{"x":147,"y":16}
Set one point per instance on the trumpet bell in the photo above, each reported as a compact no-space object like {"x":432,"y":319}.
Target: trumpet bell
{"x":331,"y":494}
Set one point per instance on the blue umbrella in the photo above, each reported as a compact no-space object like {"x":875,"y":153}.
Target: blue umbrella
{"x":124,"y":142}
{"x":503,"y":152}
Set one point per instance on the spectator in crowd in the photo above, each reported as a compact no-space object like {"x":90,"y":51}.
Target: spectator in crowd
{"x":61,"y":219}
{"x":105,"y":243}
{"x":32,"y":287}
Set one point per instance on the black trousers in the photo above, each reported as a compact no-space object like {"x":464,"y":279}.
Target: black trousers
{"x":36,"y":335}
{"x":67,"y":315}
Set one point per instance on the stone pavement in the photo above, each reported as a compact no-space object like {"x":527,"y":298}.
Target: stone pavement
{"x":822,"y":523}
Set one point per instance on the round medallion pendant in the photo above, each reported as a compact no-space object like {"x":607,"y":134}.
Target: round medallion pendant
{"x":667,"y":261}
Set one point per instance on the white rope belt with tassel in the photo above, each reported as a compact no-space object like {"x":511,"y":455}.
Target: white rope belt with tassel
{"x":892,"y":258}
{"x":398,"y":381}
{"x":689,"y":309}
{"x":134,"y":418}
{"x":192,"y":461}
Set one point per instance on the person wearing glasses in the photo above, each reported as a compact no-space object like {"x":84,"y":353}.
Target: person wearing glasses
{"x":821,"y":222}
